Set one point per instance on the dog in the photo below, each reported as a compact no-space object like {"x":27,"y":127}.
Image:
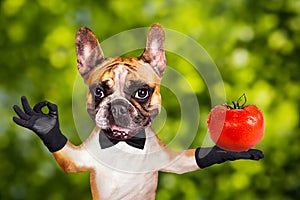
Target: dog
{"x":123,"y":153}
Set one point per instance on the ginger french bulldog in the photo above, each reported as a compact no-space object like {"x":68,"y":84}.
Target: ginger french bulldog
{"x":123,"y":153}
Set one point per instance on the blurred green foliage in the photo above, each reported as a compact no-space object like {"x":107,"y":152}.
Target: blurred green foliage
{"x":255,"y":44}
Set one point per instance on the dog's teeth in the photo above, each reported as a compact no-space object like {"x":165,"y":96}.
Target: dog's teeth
{"x":120,"y":134}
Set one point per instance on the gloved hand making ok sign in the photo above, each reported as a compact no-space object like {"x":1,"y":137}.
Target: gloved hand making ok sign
{"x":46,"y":126}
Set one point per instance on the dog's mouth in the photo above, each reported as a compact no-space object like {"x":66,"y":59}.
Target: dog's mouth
{"x":118,"y":133}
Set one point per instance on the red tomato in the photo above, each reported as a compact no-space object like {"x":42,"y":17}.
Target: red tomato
{"x":236,"y":129}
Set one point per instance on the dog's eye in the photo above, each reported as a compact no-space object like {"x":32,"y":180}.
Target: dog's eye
{"x":99,"y":93}
{"x":142,"y":94}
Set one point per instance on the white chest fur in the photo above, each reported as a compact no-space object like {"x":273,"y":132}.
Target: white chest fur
{"x":122,"y":171}
{"x":112,"y":184}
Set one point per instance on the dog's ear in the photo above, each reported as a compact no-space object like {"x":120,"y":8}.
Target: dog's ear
{"x":154,"y":52}
{"x":88,"y":51}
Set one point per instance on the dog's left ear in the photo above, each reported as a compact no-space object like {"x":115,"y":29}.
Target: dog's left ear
{"x":88,"y":51}
{"x":154,"y":52}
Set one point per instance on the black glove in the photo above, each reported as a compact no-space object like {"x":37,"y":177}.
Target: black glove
{"x":215,"y":155}
{"x":46,"y":126}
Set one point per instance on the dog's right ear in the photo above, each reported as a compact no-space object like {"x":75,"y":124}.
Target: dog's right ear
{"x":88,"y":51}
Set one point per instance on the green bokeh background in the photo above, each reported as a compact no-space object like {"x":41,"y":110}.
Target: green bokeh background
{"x":255,"y":44}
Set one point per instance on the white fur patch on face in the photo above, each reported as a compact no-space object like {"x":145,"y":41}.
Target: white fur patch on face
{"x":120,"y":68}
{"x":120,"y":78}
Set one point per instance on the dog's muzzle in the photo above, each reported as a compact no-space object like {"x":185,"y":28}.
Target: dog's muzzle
{"x":121,"y":120}
{"x":121,"y":125}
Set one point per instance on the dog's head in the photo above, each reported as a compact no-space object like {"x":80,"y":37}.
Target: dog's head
{"x":124,"y":93}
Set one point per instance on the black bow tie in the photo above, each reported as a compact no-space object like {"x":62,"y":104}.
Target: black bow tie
{"x":137,"y":141}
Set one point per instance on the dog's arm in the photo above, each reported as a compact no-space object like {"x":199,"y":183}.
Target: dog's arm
{"x":46,"y":126}
{"x":177,"y":162}
{"x":180,"y":162}
{"x":73,"y":158}
{"x":200,"y":158}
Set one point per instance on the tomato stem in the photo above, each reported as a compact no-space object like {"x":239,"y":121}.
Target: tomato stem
{"x":237,"y":104}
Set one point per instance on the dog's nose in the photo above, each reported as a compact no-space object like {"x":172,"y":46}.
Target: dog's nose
{"x":119,"y":109}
